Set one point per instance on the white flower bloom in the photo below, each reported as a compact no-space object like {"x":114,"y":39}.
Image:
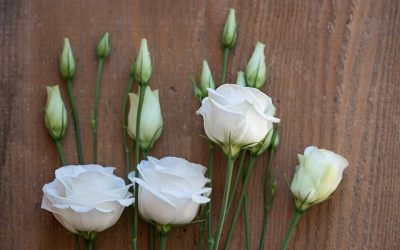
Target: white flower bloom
{"x":317,"y":176}
{"x":170,"y":190}
{"x":151,"y":122}
{"x":86,"y":198}
{"x":237,"y":117}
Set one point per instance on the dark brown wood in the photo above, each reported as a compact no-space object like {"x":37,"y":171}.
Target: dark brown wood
{"x":334,"y":76}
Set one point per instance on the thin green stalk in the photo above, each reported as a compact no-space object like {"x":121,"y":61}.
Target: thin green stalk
{"x":224,"y":205}
{"x":237,"y":178}
{"x":224,"y":65}
{"x":142,"y":91}
{"x":124,"y":125}
{"x":60,"y":152}
{"x":96,"y":108}
{"x":293,"y":223}
{"x":77,"y":243}
{"x":243,"y":191}
{"x":267,"y":197}
{"x":246,"y":222}
{"x":201,"y":229}
{"x":150,"y":227}
{"x":91,"y":244}
{"x":76,"y":121}
{"x":163,"y":241}
{"x":210,"y":239}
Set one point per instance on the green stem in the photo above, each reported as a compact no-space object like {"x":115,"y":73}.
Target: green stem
{"x":224,"y":65}
{"x":293,"y":223}
{"x":237,"y":178}
{"x":201,"y":228}
{"x":77,"y":243}
{"x":150,"y":227}
{"x":243,"y":191}
{"x":96,"y":108}
{"x":268,"y":199}
{"x":224,"y":205}
{"x":60,"y":152}
{"x":163,"y":241}
{"x":91,"y":244}
{"x":142,"y":91}
{"x":210,"y":239}
{"x":76,"y":120}
{"x":124,"y":125}
{"x":246,"y":221}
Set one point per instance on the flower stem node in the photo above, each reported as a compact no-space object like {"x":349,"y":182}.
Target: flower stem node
{"x":256,"y":69}
{"x":55,"y":113}
{"x":163,"y":229}
{"x":142,"y":67}
{"x":67,"y":62}
{"x":229,"y":33}
{"x":206,"y":79}
{"x":104,"y":47}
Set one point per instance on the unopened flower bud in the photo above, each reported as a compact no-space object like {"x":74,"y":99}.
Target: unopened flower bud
{"x":241,"y":80}
{"x":276,"y":138}
{"x":318,"y":174}
{"x":151,"y":122}
{"x":67,"y":62}
{"x":104,"y":46}
{"x":256,"y":70}
{"x":55,"y":113}
{"x":206,"y":79}
{"x":229,"y":34}
{"x":143,"y":68}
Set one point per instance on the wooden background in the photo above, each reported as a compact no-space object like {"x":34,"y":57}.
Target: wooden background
{"x":334,"y":76}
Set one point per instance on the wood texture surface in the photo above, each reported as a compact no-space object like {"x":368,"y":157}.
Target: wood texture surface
{"x":334,"y":76}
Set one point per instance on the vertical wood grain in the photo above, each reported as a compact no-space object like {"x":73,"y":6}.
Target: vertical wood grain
{"x":334,"y":77}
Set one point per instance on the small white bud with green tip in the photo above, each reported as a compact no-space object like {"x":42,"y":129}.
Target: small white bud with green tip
{"x":104,"y":47}
{"x":256,"y":69}
{"x":229,"y":33}
{"x":241,"y":80}
{"x":67,"y":61}
{"x":55,"y":113}
{"x":143,"y":68}
{"x":206,"y":79}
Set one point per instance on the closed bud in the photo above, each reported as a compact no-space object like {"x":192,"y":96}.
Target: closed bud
{"x":229,"y":33}
{"x":55,"y":113}
{"x":206,"y":79}
{"x":67,"y":62}
{"x":318,"y":174}
{"x":276,"y":138}
{"x":151,"y":122}
{"x":142,"y":67}
{"x":241,"y":80}
{"x":256,"y":70}
{"x":104,"y":47}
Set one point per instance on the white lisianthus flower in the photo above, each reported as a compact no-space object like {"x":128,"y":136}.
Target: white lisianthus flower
{"x":171,"y":190}
{"x":237,"y":117}
{"x":317,"y":176}
{"x":86,"y":198}
{"x":151,"y":122}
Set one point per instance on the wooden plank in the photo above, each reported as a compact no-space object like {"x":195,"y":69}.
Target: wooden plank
{"x":334,"y":76}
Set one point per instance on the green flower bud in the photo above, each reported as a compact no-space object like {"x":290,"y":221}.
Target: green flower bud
{"x":143,"y":68}
{"x":67,"y":62}
{"x":276,"y":138}
{"x":197,"y":91}
{"x":256,"y":70}
{"x":230,"y":30}
{"x":104,"y":46}
{"x":206,"y":79}
{"x":241,"y":80}
{"x":55,"y":113}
